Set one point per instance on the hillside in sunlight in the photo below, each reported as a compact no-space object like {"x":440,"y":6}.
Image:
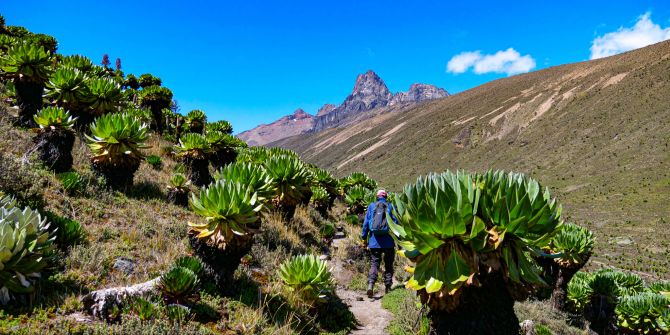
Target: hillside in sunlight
{"x":596,"y":132}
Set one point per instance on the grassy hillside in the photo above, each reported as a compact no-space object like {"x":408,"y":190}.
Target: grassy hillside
{"x":596,"y":132}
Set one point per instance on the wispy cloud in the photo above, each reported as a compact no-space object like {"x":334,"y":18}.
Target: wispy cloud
{"x":507,"y":61}
{"x":643,"y":33}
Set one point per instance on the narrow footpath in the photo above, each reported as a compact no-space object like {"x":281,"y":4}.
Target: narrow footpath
{"x":372,"y":318}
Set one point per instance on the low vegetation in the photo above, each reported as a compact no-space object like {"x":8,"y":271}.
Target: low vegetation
{"x":233,"y":245}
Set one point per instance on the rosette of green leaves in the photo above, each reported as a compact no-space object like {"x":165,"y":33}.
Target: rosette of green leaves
{"x":179,"y":182}
{"x":248,"y":174}
{"x":195,"y":120}
{"x":320,"y":197}
{"x":193,"y":145}
{"x":178,"y":285}
{"x":82,"y":63}
{"x":627,"y":283}
{"x":66,"y":87}
{"x":142,"y":114}
{"x":221,"y":125}
{"x":644,"y":313}
{"x":54,"y":117}
{"x":155,"y":98}
{"x":324,"y":179}
{"x":6,"y":42}
{"x":220,"y":141}
{"x":104,"y":95}
{"x":290,"y":178}
{"x":358,"y":178}
{"x":357,"y":198}
{"x":26,"y":62}
{"x":148,"y":80}
{"x":308,"y":276}
{"x":661,"y":287}
{"x":254,"y":155}
{"x":574,"y":243}
{"x":192,"y":263}
{"x":229,"y":209}
{"x":117,"y":139}
{"x":579,"y":292}
{"x":25,"y":248}
{"x":447,"y":221}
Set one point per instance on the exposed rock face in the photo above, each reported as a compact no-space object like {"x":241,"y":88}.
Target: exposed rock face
{"x":325,"y":109}
{"x":370,"y":92}
{"x":418,"y":93}
{"x":297,"y":123}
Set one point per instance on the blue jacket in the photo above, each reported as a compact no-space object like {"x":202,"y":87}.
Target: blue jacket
{"x":377,"y":241}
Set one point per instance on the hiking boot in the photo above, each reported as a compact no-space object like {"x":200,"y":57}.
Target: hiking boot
{"x":370,"y":288}
{"x":387,"y":289}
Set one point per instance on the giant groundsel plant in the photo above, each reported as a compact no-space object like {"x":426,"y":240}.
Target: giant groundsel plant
{"x":475,"y":240}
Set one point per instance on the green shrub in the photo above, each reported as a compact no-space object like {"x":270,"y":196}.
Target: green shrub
{"x":154,"y":161}
{"x":644,"y":313}
{"x":68,"y":232}
{"x":248,"y":174}
{"x":229,"y":208}
{"x":178,"y":285}
{"x":308,"y":276}
{"x":327,"y":230}
{"x":357,"y":198}
{"x":55,"y":117}
{"x":71,"y":182}
{"x":22,"y":182}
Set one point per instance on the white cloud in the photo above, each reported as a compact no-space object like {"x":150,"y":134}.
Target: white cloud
{"x":507,"y":61}
{"x":643,"y":33}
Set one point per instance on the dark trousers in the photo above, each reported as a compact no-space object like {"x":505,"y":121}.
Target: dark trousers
{"x":376,"y":255}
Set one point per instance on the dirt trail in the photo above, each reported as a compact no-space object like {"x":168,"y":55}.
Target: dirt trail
{"x":372,"y":318}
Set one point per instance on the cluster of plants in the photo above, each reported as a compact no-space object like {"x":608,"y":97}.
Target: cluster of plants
{"x":620,"y":302}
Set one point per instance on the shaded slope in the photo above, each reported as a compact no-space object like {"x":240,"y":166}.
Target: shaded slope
{"x":596,"y":132}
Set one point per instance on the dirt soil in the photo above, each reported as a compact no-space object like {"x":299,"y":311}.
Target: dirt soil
{"x":372,"y":318}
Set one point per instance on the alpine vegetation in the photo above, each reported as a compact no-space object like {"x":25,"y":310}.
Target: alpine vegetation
{"x":55,"y":138}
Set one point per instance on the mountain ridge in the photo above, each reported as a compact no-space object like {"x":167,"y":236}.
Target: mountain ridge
{"x":369,"y":93}
{"x":596,"y":132}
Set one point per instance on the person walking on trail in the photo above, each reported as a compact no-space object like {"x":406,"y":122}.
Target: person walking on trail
{"x":379,"y":240}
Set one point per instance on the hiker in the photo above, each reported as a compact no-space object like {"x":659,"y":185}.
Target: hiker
{"x":379,"y":241}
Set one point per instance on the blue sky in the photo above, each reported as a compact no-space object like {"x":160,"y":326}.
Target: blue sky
{"x":251,"y":62}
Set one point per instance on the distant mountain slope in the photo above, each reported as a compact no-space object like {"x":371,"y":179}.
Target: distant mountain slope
{"x":297,"y":123}
{"x":367,"y":98}
{"x":596,"y":132}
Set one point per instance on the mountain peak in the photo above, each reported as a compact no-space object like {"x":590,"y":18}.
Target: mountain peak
{"x":300,"y":114}
{"x":419,"y":92}
{"x":369,"y":84}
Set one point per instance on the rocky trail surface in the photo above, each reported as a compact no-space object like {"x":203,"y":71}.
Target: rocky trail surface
{"x":371,"y":317}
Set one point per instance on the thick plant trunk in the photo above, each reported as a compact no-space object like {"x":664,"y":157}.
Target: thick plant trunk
{"x":559,"y":291}
{"x":485,"y":310}
{"x":222,"y":158}
{"x":29,"y":100}
{"x":158,"y":118}
{"x":601,"y":316}
{"x":198,"y":171}
{"x":55,"y":149}
{"x":561,"y":273}
{"x":117,"y":177}
{"x":177,"y":197}
{"x":220,"y":264}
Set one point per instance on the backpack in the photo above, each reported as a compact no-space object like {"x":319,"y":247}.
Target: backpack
{"x":379,"y":226}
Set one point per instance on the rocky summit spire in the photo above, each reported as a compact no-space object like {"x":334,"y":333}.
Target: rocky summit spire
{"x":418,"y":93}
{"x":369,"y":92}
